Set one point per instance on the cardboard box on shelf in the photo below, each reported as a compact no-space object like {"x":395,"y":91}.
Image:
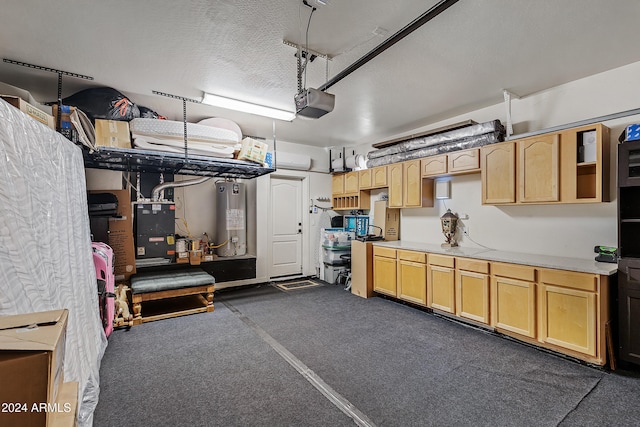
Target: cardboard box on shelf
{"x":112,"y":134}
{"x":182,"y":257}
{"x":66,"y":408}
{"x":30,"y":110}
{"x":195,"y":257}
{"x":121,"y":236}
{"x":31,"y":364}
{"x":253,"y":150}
{"x":388,"y":219}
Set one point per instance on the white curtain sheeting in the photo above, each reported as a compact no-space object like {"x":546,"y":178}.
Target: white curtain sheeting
{"x":45,"y":246}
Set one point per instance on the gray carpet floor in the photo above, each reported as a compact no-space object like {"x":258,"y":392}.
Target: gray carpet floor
{"x":397,"y":365}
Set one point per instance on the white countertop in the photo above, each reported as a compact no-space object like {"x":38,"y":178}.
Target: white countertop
{"x":536,"y":260}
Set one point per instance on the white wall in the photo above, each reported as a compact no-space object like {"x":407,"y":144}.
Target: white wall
{"x":560,"y":230}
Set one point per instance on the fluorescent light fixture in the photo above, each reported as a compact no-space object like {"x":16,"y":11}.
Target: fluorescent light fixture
{"x":247,"y":107}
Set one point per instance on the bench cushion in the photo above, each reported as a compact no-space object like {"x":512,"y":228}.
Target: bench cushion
{"x":165,"y":281}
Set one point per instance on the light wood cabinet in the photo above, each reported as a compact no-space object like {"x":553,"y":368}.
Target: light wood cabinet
{"x":395,"y":179}
{"x":571,"y":166}
{"x":379,"y":177}
{"x":472,"y":290}
{"x":384,"y":271}
{"x":362,"y":268}
{"x":434,"y":165}
{"x":584,"y":169}
{"x":346,"y":194}
{"x":464,"y":161}
{"x":412,"y":184}
{"x":538,"y":169}
{"x":351,"y":182}
{"x":564,"y":311}
{"x":441,"y":283}
{"x":498,"y":165}
{"x":337,"y":184}
{"x":365,"y":180}
{"x":513,"y":299}
{"x":567,"y":310}
{"x":412,"y":277}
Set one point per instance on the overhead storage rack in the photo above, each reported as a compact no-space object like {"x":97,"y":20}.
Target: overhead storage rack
{"x":136,"y":160}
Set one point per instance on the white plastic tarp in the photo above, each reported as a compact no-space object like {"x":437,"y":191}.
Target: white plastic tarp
{"x":46,"y":259}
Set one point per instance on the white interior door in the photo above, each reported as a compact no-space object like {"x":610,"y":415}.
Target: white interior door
{"x":286,"y":226}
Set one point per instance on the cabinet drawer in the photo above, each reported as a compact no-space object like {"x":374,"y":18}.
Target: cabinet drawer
{"x":476,"y":265}
{"x":441,"y":260}
{"x":514,"y":271}
{"x":464,"y":160}
{"x":385,"y":252}
{"x":420,"y":257}
{"x":568,"y":279}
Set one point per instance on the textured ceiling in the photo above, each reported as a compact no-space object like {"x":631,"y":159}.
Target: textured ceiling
{"x":458,"y":62}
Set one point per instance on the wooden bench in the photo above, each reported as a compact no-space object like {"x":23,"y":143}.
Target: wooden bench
{"x":172,"y":293}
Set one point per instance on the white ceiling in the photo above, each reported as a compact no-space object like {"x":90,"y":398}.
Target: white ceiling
{"x":456,"y":63}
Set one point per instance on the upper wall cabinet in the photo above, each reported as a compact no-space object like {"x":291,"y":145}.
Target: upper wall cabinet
{"x":407,"y":188}
{"x":498,"y":165}
{"x":571,"y":166}
{"x":538,"y":169}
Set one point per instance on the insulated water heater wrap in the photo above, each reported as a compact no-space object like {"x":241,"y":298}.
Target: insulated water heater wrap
{"x":231,"y":218}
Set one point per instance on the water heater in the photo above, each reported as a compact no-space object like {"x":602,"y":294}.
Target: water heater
{"x":231,"y":218}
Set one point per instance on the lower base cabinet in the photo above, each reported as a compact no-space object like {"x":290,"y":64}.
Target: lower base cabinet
{"x":441,"y":283}
{"x":384,"y":271}
{"x":513,"y":299}
{"x":568,"y":310}
{"x":565,"y":311}
{"x":412,"y":277}
{"x":472,"y":290}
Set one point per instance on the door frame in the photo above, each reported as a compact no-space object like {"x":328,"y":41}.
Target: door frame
{"x":304,"y":178}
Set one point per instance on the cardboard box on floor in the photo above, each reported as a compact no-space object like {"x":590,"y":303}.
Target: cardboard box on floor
{"x":388,"y":219}
{"x":31,"y":365}
{"x":66,"y":409}
{"x":121,"y":236}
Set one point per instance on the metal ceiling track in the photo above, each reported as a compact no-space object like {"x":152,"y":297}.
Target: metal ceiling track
{"x":184,"y":112}
{"x":60,"y":73}
{"x":395,"y":38}
{"x":311,"y":51}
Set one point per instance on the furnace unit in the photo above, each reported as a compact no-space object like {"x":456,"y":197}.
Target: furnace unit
{"x":155,"y":231}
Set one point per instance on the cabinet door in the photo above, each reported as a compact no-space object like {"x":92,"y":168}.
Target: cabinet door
{"x":395,"y":185}
{"x":434,"y":165}
{"x":538,"y":169}
{"x":364,"y":178}
{"x":384,"y":275}
{"x":628,"y":320}
{"x":412,"y":281}
{"x":498,"y":169}
{"x":567,"y":318}
{"x":351,"y":182}
{"x":472,"y":296}
{"x":513,"y":306}
{"x":464,"y":161}
{"x":337,"y":184}
{"x":441,"y":288}
{"x":379,"y":177}
{"x":412,"y":184}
